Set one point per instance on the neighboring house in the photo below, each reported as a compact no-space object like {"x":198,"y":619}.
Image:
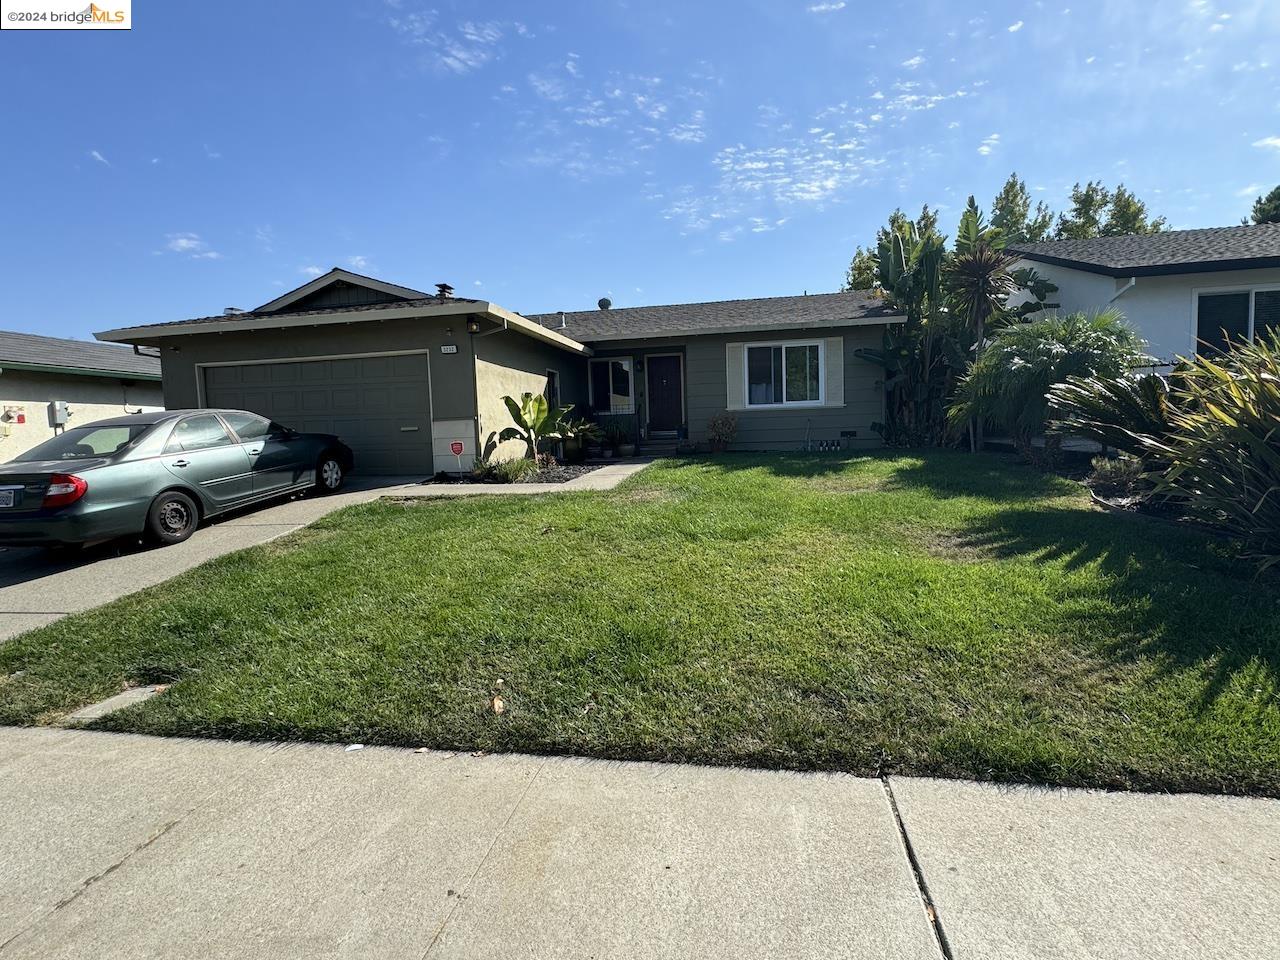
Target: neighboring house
{"x":1179,"y":289}
{"x":48,"y":383}
{"x":402,"y":375}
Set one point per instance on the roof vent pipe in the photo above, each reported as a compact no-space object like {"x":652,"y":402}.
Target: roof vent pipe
{"x":562,"y":320}
{"x":444,"y":291}
{"x":231,"y":311}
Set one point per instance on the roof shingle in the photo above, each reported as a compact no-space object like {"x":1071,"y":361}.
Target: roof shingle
{"x":720,"y":316}
{"x":34,"y":350}
{"x":1173,"y":251}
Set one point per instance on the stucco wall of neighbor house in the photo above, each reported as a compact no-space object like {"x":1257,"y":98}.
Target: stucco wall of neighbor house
{"x":88,"y":399}
{"x":707,"y":389}
{"x":1160,"y":309}
{"x":509,"y":364}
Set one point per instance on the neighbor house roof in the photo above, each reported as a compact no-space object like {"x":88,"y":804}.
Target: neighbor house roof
{"x":1173,"y":251}
{"x":28,"y":351}
{"x":722,"y":316}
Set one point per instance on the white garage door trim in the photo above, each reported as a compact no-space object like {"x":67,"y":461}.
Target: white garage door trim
{"x":200,"y":369}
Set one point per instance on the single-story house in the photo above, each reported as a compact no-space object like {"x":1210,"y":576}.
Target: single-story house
{"x":402,"y":375}
{"x":48,"y":383}
{"x":1179,"y":289}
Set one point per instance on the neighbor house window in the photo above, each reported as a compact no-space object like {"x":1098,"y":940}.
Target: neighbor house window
{"x":1236,"y":316}
{"x":612,"y":386}
{"x":784,"y":373}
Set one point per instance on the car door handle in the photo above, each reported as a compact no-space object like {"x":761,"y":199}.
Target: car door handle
{"x":254,"y":453}
{"x":180,"y":463}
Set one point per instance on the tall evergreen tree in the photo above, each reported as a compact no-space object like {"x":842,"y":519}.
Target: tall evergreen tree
{"x":1012,"y":215}
{"x":1084,"y":220}
{"x":1127,"y":215}
{"x":861,"y":274}
{"x":1267,"y":209}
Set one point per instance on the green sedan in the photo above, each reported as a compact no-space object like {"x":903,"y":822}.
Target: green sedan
{"x":159,"y":475}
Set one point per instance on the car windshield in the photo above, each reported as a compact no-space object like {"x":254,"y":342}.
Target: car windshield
{"x":85,"y":443}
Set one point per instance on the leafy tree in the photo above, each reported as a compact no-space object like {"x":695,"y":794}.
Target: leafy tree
{"x":861,"y":274}
{"x":1088,"y":204}
{"x":1128,"y":215}
{"x":1267,"y":209}
{"x":1099,"y":212}
{"x":1012,"y":215}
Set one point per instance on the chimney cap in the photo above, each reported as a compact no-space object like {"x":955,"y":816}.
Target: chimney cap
{"x":604,"y":303}
{"x":444,"y":291}
{"x":231,"y":311}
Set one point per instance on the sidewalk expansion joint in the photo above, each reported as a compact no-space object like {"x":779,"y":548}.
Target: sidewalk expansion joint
{"x":922,"y":886}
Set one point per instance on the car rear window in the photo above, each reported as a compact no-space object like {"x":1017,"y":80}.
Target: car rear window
{"x":85,"y":443}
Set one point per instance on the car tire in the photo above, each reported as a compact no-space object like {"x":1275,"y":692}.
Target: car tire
{"x":330,"y":474}
{"x":173,"y":517}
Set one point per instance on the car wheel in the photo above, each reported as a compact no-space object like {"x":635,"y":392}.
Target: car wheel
{"x":329,"y":474}
{"x":173,"y":517}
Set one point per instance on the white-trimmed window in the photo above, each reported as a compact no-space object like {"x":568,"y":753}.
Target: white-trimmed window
{"x":1237,"y":314}
{"x":612,"y":385}
{"x":784,"y":374}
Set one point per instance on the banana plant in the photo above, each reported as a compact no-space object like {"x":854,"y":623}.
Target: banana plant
{"x":535,"y":421}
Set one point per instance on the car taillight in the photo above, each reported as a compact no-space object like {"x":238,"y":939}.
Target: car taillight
{"x":64,"y":489}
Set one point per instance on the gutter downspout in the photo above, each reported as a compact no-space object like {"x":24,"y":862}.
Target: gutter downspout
{"x":1133,"y":282}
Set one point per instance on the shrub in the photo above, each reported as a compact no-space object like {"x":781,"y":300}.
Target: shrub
{"x":515,"y":471}
{"x":535,"y":421}
{"x":1224,"y":452}
{"x":1130,"y":413}
{"x":721,"y":431}
{"x":1119,"y":477}
{"x":1008,"y":383}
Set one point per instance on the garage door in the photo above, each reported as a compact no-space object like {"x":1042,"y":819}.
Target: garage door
{"x":378,"y":406}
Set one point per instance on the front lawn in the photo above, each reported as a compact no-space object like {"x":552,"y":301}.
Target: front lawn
{"x":929,"y":613}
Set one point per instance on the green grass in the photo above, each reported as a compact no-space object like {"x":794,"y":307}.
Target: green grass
{"x":933,"y":613}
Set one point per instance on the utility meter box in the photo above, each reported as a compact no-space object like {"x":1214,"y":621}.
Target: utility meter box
{"x":59,"y":413}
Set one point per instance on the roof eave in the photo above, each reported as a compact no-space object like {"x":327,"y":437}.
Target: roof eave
{"x":1154,"y":270}
{"x":68,"y":370}
{"x":762,"y":328}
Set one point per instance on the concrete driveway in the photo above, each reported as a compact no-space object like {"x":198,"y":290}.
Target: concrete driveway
{"x":38,"y":587}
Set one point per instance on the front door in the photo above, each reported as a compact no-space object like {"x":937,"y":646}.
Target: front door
{"x":666,"y":394}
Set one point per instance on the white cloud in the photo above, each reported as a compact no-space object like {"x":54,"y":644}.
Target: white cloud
{"x":191,"y":245}
{"x":1252,"y":190}
{"x":1090,"y":59}
{"x":99,"y":157}
{"x":827,"y":7}
{"x":359,"y":263}
{"x":310,"y":270}
{"x":989,"y":143}
{"x":913,"y":62}
{"x":689,"y":132}
{"x":1014,"y":27}
{"x":467,"y":47}
{"x":1272,"y":142}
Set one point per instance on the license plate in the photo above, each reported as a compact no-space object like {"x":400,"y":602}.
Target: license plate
{"x":6,"y":498}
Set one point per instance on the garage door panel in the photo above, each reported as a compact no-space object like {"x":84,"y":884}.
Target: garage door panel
{"x":365,"y":401}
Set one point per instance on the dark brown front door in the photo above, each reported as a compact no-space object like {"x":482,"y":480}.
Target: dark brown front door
{"x":666,"y":397}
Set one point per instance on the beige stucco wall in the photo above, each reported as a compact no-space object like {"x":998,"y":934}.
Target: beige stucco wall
{"x":88,"y":399}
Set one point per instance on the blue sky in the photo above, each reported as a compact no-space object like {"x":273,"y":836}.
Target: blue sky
{"x":543,"y":155}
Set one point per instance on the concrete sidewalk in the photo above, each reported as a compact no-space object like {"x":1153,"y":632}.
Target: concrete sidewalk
{"x":126,"y":846}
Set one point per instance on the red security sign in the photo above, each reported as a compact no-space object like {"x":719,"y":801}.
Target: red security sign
{"x":456,"y":447}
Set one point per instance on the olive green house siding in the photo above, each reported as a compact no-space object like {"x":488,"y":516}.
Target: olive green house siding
{"x":405,"y":377}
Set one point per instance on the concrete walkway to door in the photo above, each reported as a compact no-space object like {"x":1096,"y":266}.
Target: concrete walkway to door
{"x":115,"y":845}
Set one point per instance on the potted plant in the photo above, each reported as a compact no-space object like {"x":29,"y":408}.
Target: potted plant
{"x":579,"y":437}
{"x":721,"y":429}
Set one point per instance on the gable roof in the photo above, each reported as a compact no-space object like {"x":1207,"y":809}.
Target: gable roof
{"x":855,"y":308}
{"x":28,"y":351}
{"x":339,"y":276}
{"x":1173,"y":251}
{"x":424,"y":307}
